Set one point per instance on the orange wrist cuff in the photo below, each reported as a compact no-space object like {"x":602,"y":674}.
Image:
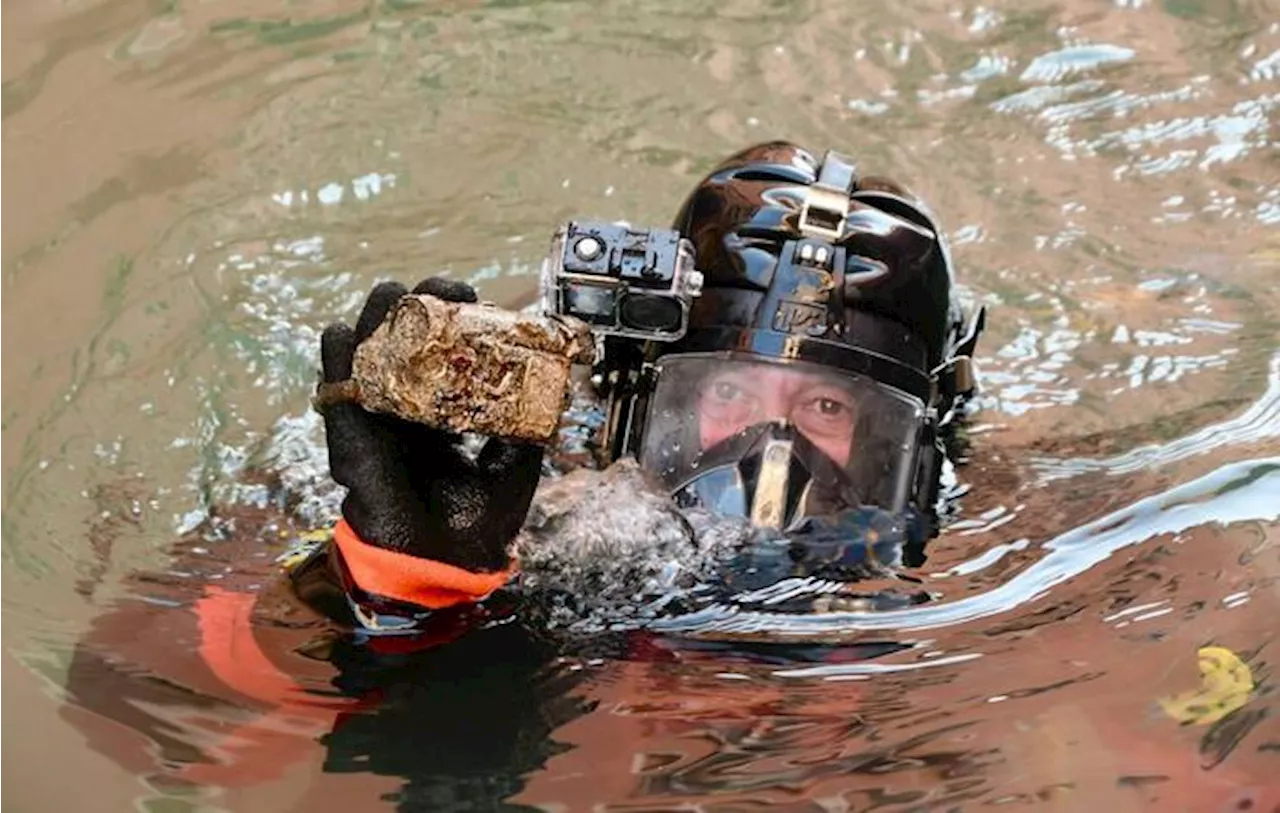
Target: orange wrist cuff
{"x":401,"y":577}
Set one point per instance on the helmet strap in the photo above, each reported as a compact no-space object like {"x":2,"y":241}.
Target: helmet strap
{"x":929,"y":456}
{"x":826,"y":202}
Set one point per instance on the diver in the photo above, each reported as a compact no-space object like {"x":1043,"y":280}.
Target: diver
{"x":826,"y":359}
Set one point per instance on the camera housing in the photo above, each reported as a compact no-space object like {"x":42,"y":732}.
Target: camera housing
{"x":632,"y":283}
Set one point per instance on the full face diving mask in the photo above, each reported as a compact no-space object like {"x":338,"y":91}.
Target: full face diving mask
{"x":778,"y":442}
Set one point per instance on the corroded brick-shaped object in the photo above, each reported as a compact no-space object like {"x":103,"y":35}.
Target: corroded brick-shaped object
{"x":471,"y":368}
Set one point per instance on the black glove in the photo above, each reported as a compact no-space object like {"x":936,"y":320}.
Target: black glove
{"x":412,"y":489}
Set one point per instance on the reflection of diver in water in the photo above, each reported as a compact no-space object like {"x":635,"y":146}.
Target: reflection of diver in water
{"x":825,"y":359}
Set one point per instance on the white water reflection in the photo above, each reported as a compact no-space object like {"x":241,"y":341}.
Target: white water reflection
{"x":984,"y":19}
{"x":1072,"y":350}
{"x":1266,"y":69}
{"x":362,"y":187}
{"x":1261,"y":421}
{"x":1067,"y":62}
{"x":1268,"y":211}
{"x":987,"y":66}
{"x":1237,"y":492}
{"x":850,"y":670}
{"x":1037,"y":98}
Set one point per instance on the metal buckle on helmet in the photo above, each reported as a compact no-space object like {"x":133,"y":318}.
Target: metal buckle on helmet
{"x":956,"y":376}
{"x":826,"y":202}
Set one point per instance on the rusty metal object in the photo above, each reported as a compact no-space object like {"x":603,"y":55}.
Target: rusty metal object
{"x":467,"y":368}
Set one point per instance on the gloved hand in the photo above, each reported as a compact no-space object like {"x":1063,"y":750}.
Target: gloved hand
{"x":412,"y":489}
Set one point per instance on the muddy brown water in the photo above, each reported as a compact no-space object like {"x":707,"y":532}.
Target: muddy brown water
{"x":191,"y":190}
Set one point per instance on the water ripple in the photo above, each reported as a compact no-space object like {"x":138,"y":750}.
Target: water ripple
{"x":1236,"y":492}
{"x":1036,"y":98}
{"x":1058,"y":65}
{"x":1261,"y":421}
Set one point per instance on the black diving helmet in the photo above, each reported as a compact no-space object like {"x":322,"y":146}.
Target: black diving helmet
{"x":824,"y":353}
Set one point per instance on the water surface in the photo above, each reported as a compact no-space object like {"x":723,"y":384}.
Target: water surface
{"x":192,"y":190}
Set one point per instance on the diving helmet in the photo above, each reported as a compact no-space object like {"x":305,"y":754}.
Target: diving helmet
{"x":825,"y":352}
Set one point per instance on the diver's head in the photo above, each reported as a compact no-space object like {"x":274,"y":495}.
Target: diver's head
{"x":826,"y":349}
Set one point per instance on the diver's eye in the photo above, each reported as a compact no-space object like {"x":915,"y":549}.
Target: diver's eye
{"x":825,"y":415}
{"x":830,"y":408}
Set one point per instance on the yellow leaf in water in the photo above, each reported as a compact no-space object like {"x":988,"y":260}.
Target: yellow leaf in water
{"x":1225,"y":685}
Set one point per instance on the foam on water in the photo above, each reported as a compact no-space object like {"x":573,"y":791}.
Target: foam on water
{"x":609,"y":548}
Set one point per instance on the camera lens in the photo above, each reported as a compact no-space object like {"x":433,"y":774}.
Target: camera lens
{"x":591,"y":303}
{"x":650,"y":313}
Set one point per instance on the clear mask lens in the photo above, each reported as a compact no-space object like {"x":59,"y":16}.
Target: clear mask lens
{"x":705,"y":406}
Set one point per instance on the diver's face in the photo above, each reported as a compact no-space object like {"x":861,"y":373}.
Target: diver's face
{"x":819,"y":408}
